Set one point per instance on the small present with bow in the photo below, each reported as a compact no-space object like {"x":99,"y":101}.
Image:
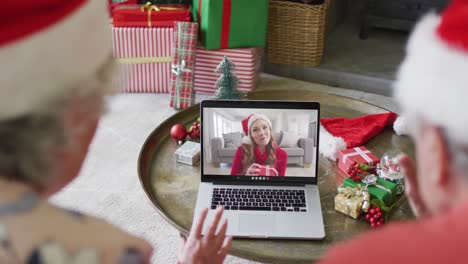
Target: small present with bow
{"x":359,"y":155}
{"x":352,"y":201}
{"x":149,"y":15}
{"x":377,"y":187}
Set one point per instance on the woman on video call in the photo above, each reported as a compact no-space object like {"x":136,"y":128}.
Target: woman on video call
{"x":259,"y":153}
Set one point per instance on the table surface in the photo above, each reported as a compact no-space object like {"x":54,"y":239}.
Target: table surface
{"x":172,"y":187}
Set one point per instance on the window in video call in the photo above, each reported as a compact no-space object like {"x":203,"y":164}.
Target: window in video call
{"x":260,"y":142}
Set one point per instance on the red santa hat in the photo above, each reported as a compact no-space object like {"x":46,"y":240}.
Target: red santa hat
{"x":341,"y":133}
{"x":247,"y":124}
{"x":433,"y":79}
{"x":46,"y":47}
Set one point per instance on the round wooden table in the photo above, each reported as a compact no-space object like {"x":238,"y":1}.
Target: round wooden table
{"x":172,"y":187}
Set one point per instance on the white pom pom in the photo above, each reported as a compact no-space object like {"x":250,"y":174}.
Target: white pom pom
{"x":330,"y":145}
{"x":400,"y":126}
{"x":246,"y":140}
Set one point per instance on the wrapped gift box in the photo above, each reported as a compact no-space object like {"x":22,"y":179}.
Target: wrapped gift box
{"x":149,"y":15}
{"x":182,"y":87}
{"x":247,"y":63}
{"x":358,"y":154}
{"x":384,"y":190}
{"x":188,"y":153}
{"x":267,"y":171}
{"x":145,"y":55}
{"x":231,"y":24}
{"x":352,"y":201}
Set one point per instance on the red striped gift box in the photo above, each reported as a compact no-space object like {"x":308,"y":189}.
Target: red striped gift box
{"x":247,"y":63}
{"x":145,"y":55}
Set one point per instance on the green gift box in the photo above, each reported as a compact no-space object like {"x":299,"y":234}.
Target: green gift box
{"x":384,"y":190}
{"x":231,"y":23}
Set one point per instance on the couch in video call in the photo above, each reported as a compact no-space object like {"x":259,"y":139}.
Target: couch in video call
{"x":300,"y":150}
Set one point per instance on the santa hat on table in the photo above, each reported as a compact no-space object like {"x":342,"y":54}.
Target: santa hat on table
{"x":48,"y":46}
{"x":247,"y":124}
{"x":341,"y":133}
{"x":433,"y":79}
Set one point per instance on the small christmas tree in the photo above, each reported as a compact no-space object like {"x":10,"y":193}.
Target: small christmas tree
{"x":227,"y":82}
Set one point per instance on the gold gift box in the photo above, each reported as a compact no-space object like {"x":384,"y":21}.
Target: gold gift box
{"x":352,"y":201}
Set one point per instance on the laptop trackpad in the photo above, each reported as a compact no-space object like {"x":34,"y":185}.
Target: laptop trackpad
{"x":253,"y":224}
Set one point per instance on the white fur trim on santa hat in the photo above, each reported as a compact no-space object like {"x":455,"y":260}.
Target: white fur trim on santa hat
{"x":400,"y":126}
{"x":330,"y":145}
{"x":433,"y":79}
{"x":51,"y":61}
{"x":246,"y":139}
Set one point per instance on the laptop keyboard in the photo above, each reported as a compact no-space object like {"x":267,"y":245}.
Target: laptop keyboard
{"x":259,"y":199}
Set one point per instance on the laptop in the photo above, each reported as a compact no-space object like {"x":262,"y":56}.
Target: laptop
{"x":259,"y":160}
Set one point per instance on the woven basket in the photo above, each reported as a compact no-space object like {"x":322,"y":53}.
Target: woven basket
{"x":296,"y":32}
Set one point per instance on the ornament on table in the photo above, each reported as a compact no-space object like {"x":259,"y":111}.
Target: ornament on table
{"x":389,"y":169}
{"x":352,"y":201}
{"x":375,"y":216}
{"x":179,"y":133}
{"x":182,"y":90}
{"x":227,"y":82}
{"x":357,"y":170}
{"x":194,"y":131}
{"x":340,"y":133}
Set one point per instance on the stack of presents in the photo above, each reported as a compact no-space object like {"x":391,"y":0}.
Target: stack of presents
{"x":366,"y":182}
{"x":174,"y":46}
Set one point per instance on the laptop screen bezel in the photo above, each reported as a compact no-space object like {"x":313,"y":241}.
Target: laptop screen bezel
{"x":265,"y":104}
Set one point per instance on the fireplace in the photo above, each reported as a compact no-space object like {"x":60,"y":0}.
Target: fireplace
{"x":396,"y":14}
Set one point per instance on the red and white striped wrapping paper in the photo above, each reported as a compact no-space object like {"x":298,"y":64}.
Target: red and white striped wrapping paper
{"x":145,"y":56}
{"x":247,"y":63}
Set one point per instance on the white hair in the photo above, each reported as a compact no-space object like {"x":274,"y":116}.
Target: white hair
{"x":26,"y":141}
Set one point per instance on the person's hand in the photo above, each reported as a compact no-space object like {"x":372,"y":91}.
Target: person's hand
{"x":411,"y":186}
{"x":253,"y":170}
{"x":211,"y":248}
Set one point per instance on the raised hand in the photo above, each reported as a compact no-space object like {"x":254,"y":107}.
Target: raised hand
{"x":411,"y":186}
{"x":211,"y":248}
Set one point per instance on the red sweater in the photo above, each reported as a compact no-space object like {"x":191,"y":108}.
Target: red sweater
{"x":280,"y":165}
{"x":440,"y":239}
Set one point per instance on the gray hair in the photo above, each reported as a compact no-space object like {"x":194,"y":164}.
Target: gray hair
{"x":26,"y":142}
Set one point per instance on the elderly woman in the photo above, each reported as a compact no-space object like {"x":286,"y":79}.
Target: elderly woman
{"x":56,"y":72}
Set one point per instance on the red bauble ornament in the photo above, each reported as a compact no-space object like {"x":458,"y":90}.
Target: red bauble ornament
{"x":178,"y":132}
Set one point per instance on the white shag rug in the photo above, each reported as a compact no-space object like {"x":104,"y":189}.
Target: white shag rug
{"x":108,"y":185}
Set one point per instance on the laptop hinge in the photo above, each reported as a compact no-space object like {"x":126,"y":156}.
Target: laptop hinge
{"x":260,"y":184}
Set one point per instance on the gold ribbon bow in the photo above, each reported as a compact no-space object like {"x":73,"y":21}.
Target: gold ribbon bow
{"x":150,"y":7}
{"x":356,"y":193}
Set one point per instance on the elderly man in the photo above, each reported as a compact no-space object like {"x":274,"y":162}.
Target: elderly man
{"x":56,"y":64}
{"x":432,"y":88}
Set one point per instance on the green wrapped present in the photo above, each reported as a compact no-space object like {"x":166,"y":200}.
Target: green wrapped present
{"x":382,"y":189}
{"x":231,"y":24}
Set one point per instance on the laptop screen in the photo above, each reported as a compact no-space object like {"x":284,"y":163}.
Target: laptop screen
{"x":260,"y":140}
